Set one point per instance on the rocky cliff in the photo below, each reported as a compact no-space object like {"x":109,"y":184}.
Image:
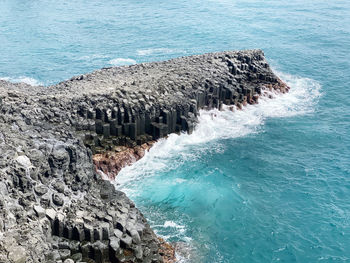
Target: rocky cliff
{"x":54,"y":206}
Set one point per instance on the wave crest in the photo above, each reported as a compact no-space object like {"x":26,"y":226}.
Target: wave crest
{"x":215,"y":124}
{"x":122,"y":61}
{"x":157,"y":51}
{"x":23,"y":79}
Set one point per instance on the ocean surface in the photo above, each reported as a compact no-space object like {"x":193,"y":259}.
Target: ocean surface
{"x":270,"y":183}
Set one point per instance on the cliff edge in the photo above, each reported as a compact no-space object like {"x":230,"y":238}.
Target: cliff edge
{"x":54,"y":206}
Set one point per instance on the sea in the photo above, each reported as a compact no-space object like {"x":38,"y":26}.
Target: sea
{"x":270,"y":183}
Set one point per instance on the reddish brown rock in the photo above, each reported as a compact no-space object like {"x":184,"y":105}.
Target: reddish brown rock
{"x":167,"y":251}
{"x":111,"y":162}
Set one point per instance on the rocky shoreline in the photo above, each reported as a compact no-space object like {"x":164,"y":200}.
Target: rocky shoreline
{"x":112,"y":161}
{"x":55,"y":207}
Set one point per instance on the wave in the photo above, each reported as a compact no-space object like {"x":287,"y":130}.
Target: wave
{"x":157,"y":51}
{"x":122,"y":61}
{"x":23,"y":79}
{"x":215,"y":124}
{"x":171,"y":224}
{"x":93,"y":56}
{"x":168,"y":154}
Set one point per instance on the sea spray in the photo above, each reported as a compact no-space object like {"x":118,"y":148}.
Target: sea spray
{"x":23,"y":79}
{"x":122,"y":61}
{"x":164,"y":195}
{"x":297,"y":168}
{"x":215,"y":124}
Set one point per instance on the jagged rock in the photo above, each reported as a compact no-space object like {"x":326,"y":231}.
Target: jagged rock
{"x":59,"y":186}
{"x":101,"y":251}
{"x":51,"y":214}
{"x":125,"y":241}
{"x":135,"y":236}
{"x":50,"y":137}
{"x":40,"y":190}
{"x":118,"y":233}
{"x":54,"y":255}
{"x":57,"y":199}
{"x":45,"y":201}
{"x":64,"y":253}
{"x":105,"y":230}
{"x":17,"y":254}
{"x":77,"y":257}
{"x":40,"y":212}
{"x":114,"y":243}
{"x":138,"y":252}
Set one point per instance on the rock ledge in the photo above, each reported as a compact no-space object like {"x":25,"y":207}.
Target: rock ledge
{"x":54,"y":207}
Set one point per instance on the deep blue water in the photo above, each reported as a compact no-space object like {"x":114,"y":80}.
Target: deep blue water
{"x":270,"y":183}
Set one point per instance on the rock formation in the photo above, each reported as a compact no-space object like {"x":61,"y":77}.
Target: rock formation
{"x":54,"y":207}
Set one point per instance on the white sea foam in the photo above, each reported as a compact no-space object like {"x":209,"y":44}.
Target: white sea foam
{"x":122,"y":61}
{"x":24,"y":79}
{"x":180,"y":181}
{"x":214,"y":124}
{"x":172,"y":224}
{"x":5,"y":78}
{"x":157,"y":51}
{"x":177,"y":229}
{"x":92,"y":57}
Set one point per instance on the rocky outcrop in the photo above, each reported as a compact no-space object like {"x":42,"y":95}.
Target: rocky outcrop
{"x":112,"y":161}
{"x":54,"y":207}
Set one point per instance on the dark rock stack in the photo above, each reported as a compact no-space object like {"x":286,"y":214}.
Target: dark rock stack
{"x":156,"y":99}
{"x":53,"y":205}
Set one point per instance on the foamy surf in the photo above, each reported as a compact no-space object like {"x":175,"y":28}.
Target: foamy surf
{"x":23,"y":79}
{"x":170,"y":153}
{"x":122,"y":61}
{"x":156,"y":51}
{"x":93,"y":57}
{"x":215,"y":124}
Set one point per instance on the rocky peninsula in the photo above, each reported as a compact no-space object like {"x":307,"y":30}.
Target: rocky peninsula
{"x":55,"y":140}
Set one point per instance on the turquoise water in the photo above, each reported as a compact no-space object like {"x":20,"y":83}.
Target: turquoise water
{"x":266,"y":184}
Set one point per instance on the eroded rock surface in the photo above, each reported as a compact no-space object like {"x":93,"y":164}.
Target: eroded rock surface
{"x":112,"y":161}
{"x":54,"y":207}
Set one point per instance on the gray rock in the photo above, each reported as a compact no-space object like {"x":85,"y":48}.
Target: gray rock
{"x":89,"y":232}
{"x":64,"y":253}
{"x":101,"y":251}
{"x":56,"y":127}
{"x":40,"y":212}
{"x":77,"y":257}
{"x":54,"y":255}
{"x":57,"y":199}
{"x":40,"y":190}
{"x":125,"y":241}
{"x":121,"y":225}
{"x":50,"y":214}
{"x":63,"y":245}
{"x":114,"y":243}
{"x":45,"y":201}
{"x":105,"y":230}
{"x":135,"y":236}
{"x":3,"y":188}
{"x":59,"y":186}
{"x":118,"y":233}
{"x":17,"y":254}
{"x":138,"y":252}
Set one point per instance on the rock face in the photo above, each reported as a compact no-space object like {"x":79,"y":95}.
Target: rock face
{"x":112,"y":161}
{"x":54,"y":207}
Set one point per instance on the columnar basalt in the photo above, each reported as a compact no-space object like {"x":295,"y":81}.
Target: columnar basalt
{"x":148,"y":101}
{"x":54,"y":206}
